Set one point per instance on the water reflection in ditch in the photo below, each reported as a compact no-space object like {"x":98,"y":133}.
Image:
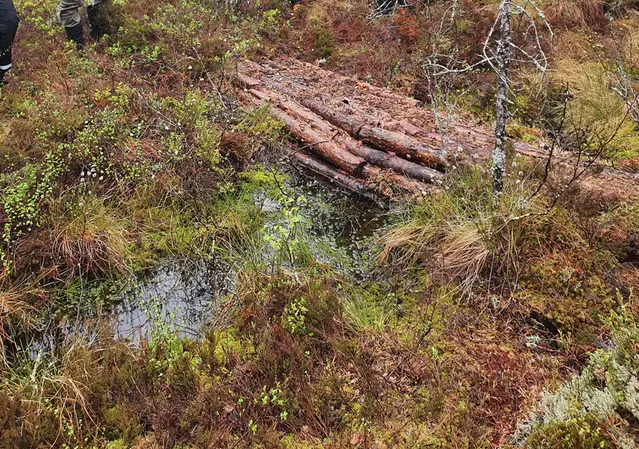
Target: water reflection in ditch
{"x":182,"y":296}
{"x":179,"y":296}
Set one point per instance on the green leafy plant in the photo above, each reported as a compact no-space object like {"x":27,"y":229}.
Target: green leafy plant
{"x":295,"y":314}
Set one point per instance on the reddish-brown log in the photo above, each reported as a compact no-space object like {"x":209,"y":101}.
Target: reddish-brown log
{"x":370,"y":155}
{"x":389,"y":141}
{"x":330,"y":150}
{"x":380,"y":138}
{"x":336,"y":176}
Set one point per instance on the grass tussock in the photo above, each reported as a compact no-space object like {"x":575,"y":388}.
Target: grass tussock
{"x":465,"y":235}
{"x":570,"y":14}
{"x":92,"y":238}
{"x":597,"y":107}
{"x":553,"y":264}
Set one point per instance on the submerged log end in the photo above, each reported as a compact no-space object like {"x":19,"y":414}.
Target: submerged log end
{"x":339,"y":177}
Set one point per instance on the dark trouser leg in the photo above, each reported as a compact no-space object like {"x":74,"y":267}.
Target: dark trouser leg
{"x":5,"y":60}
{"x":69,"y":15}
{"x":6,"y":41}
{"x":5,"y":63}
{"x":76,"y":34}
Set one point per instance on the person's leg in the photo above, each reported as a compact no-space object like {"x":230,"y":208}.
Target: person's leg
{"x":69,"y":15}
{"x":5,"y":63}
{"x":7,"y":36}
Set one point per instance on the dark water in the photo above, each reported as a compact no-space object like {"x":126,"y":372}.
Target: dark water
{"x":182,"y":296}
{"x":177,"y":296}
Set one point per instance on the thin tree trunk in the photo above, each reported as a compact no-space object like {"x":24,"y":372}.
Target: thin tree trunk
{"x":501,"y":101}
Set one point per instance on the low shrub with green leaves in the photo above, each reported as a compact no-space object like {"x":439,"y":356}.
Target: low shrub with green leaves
{"x":136,"y":152}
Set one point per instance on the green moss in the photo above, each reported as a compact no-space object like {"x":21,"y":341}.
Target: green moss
{"x":118,"y":444}
{"x":123,"y":424}
{"x":374,"y":308}
{"x":262,"y":130}
{"x":584,"y":432}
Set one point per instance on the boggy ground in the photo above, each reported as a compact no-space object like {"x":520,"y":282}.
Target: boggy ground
{"x":463,"y":309}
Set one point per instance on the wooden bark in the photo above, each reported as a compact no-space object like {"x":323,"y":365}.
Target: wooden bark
{"x":330,"y":150}
{"x":370,"y":155}
{"x":382,"y":139}
{"x":377,"y":137}
{"x":392,"y":162}
{"x":502,"y":57}
{"x":336,"y":176}
{"x":246,"y":81}
{"x":317,"y":142}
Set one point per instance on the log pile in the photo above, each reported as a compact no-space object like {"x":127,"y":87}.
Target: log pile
{"x":350,"y":152}
{"x":374,"y":141}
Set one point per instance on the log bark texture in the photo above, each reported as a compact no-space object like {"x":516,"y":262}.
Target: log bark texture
{"x":380,"y":138}
{"x":329,"y":149}
{"x":336,"y":176}
{"x":370,"y":155}
{"x":380,"y":171}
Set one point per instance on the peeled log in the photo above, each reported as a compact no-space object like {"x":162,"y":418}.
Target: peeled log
{"x":373,"y":156}
{"x":401,"y":144}
{"x":329,"y":149}
{"x":370,"y":155}
{"x":380,"y":138}
{"x":392,"y":141}
{"x":338,"y":177}
{"x":392,"y":162}
{"x":320,"y":143}
{"x":247,"y":81}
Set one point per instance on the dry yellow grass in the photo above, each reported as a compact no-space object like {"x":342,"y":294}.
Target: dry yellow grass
{"x":597,"y":108}
{"x":95,"y":237}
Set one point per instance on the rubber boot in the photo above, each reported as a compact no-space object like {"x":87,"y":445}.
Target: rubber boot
{"x":3,"y":82}
{"x":76,"y":34}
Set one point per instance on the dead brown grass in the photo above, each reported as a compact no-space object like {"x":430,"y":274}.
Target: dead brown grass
{"x":569,"y":14}
{"x":93,"y":239}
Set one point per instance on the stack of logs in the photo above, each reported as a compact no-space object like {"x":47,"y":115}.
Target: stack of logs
{"x":356,"y":155}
